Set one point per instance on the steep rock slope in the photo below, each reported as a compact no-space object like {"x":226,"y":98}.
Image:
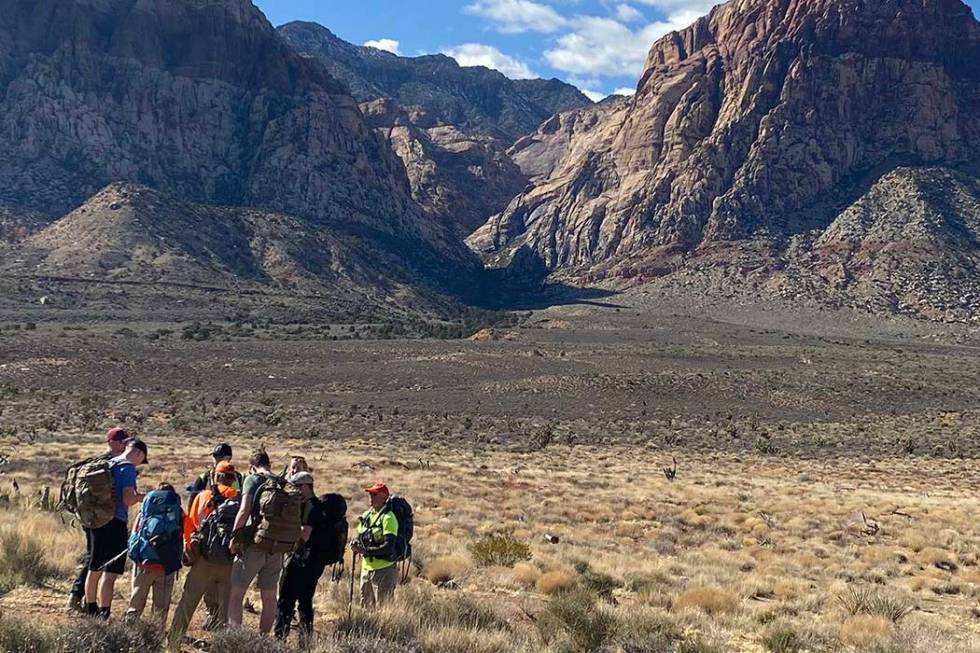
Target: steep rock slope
{"x":202,"y":100}
{"x":460,"y":179}
{"x":757,"y":122}
{"x":473,"y":99}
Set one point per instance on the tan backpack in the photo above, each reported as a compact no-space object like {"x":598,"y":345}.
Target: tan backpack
{"x":280,"y":511}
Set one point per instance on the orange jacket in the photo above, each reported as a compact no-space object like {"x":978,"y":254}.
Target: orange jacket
{"x":201,"y":507}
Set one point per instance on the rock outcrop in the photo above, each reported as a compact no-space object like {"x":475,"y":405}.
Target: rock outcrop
{"x":199,"y":99}
{"x":475,"y":100}
{"x":461,"y":179}
{"x":760,"y":123}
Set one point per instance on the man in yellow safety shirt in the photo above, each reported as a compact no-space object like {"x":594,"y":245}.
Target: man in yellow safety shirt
{"x":377,"y":531}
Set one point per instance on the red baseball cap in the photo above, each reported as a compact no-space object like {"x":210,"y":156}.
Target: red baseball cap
{"x":377,"y":488}
{"x":117,"y":434}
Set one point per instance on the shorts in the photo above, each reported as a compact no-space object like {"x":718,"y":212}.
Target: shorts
{"x":111,"y":542}
{"x":257,"y":564}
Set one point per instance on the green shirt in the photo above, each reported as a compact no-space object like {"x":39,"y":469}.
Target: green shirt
{"x":380,"y":525}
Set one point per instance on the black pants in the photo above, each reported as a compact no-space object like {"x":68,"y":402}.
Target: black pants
{"x":78,"y":587}
{"x":296,"y":589}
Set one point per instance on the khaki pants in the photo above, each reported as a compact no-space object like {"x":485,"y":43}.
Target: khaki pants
{"x":257,"y":565}
{"x":377,"y":587}
{"x":163,"y":588}
{"x":203,"y":577}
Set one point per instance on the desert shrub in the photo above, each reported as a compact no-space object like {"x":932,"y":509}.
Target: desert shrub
{"x":18,"y":635}
{"x":865,"y":630}
{"x":22,"y":560}
{"x":783,"y":638}
{"x":457,"y":611}
{"x":526,"y":574}
{"x":556,"y":581}
{"x":446,"y":568}
{"x":868,"y":601}
{"x":710,"y":600}
{"x":454,"y":640}
{"x":596,"y":581}
{"x":647,"y":631}
{"x":580,"y":620}
{"x":697,"y":644}
{"x":237,"y":640}
{"x":501,"y":550}
{"x":364,"y":645}
{"x":386,"y":625}
{"x":113,"y":636}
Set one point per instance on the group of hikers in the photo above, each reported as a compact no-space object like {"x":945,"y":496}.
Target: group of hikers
{"x":262,"y":527}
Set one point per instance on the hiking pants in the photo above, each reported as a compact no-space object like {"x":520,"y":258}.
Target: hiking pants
{"x":78,"y":587}
{"x":377,"y":587}
{"x":163,"y":588}
{"x":201,"y":578}
{"x":296,"y":589}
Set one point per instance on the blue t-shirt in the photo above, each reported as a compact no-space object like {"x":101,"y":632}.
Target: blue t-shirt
{"x":123,"y":476}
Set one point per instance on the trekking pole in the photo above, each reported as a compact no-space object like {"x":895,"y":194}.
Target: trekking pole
{"x":350,"y":601}
{"x":119,"y":555}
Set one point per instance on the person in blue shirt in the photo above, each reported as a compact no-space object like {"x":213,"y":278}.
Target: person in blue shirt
{"x":110,"y":543}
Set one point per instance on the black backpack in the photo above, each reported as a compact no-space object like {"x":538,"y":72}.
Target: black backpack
{"x":333,"y":541}
{"x":217,"y":531}
{"x":402,"y":510}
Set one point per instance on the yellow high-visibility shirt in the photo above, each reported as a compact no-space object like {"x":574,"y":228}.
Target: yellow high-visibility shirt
{"x":380,"y":526}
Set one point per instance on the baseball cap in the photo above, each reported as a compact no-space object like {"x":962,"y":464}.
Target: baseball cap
{"x":377,"y":488}
{"x":223,"y":450}
{"x":224,"y":467}
{"x":301,"y":478}
{"x":136,"y":443}
{"x":117,"y":434}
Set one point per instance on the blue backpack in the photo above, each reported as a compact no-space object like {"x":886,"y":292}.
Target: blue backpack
{"x":159,"y":537}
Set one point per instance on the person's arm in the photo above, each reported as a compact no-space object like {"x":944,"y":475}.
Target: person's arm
{"x":244,"y":511}
{"x":389,"y":530}
{"x":130,"y":497}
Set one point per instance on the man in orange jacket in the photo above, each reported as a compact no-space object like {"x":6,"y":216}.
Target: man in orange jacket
{"x":207,"y":538}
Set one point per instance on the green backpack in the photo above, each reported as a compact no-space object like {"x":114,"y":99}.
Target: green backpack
{"x":280,"y":511}
{"x":93,"y":496}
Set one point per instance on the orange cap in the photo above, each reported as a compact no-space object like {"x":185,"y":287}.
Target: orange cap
{"x":377,"y":488}
{"x":224,"y":467}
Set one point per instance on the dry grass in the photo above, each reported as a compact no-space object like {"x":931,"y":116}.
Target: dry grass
{"x":759,"y":556}
{"x":710,"y":600}
{"x":864,"y":631}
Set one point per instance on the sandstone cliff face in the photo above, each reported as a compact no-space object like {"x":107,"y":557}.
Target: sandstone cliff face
{"x":202,"y":100}
{"x":460,"y":179}
{"x":475,"y":100}
{"x":755,"y":122}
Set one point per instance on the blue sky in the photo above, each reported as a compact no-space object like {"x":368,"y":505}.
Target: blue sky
{"x":598,"y":45}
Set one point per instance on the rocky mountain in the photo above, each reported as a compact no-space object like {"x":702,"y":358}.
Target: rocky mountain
{"x":758,"y":127}
{"x":202,"y":101}
{"x":459,"y":178}
{"x":475,"y":100}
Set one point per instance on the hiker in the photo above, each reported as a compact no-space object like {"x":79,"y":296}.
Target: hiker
{"x":221,"y":453}
{"x":269,"y":524}
{"x":116,"y":441}
{"x":376,"y":543}
{"x":322,"y":544}
{"x":208,"y":533}
{"x":298,"y":464}
{"x":155,"y":548}
{"x":109,"y":543}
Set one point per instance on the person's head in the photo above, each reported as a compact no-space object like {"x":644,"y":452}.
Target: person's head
{"x":224,"y":473}
{"x":304,"y":481}
{"x":221,"y":452}
{"x":298,"y":464}
{"x":136,"y":452}
{"x":378,"y":495}
{"x":259,"y":460}
{"x":116,"y":439}
{"x":166,"y":487}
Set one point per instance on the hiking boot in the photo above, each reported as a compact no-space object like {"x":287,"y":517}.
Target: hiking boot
{"x":76,"y":604}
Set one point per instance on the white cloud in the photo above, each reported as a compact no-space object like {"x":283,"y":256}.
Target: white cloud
{"x":603,"y":46}
{"x":595,"y":96}
{"x":478,"y":54}
{"x":628,"y":13}
{"x":700,"y":7}
{"x":626,"y":90}
{"x":517,"y":16}
{"x":388,"y":45}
